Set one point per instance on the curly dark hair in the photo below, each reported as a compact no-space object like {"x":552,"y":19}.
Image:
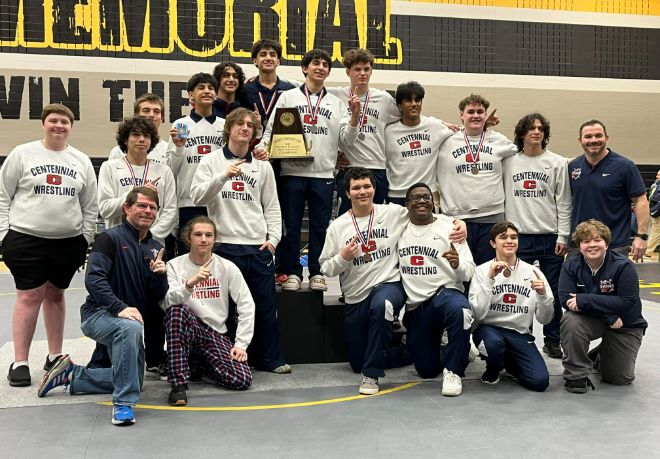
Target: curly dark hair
{"x":139,"y":124}
{"x":220,"y":69}
{"x":525,"y":125}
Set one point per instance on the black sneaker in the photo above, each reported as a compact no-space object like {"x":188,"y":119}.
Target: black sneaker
{"x":553,"y":350}
{"x":50,"y":364}
{"x":178,"y":395}
{"x":490,"y":377}
{"x":163,"y":371}
{"x":19,"y":377}
{"x":578,"y":386}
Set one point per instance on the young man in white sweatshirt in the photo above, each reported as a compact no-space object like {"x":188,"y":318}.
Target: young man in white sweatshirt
{"x":433,"y":270}
{"x":193,"y":137}
{"x":327,"y":126}
{"x":153,"y":107}
{"x":361,"y":248}
{"x":412,"y":144}
{"x":505,"y":294}
{"x":197,"y":305}
{"x":377,"y":110}
{"x":136,"y":137}
{"x":469,"y":175}
{"x":538,"y":201}
{"x":240,"y":194}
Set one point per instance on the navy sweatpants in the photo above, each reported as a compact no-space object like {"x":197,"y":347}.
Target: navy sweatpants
{"x":317,"y":192}
{"x":541,"y":247}
{"x":368,"y":331}
{"x":258,"y":270}
{"x":425,"y":326}
{"x":478,"y":239}
{"x":515,"y":352}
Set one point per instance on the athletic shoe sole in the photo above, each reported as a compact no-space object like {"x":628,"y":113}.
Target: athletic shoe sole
{"x":60,"y":365}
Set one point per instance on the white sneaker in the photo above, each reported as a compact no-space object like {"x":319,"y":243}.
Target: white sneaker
{"x":369,"y":386}
{"x":474,"y":352}
{"x":292,"y":284}
{"x":451,"y":384}
{"x":317,"y":283}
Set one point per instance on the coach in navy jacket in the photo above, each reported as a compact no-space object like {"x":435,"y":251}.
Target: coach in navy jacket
{"x":600,"y":291}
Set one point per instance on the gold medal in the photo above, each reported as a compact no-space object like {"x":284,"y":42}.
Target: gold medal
{"x":474,"y":169}
{"x":367,"y":257}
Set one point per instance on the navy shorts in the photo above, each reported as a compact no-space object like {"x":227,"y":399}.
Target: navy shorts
{"x":33,"y":260}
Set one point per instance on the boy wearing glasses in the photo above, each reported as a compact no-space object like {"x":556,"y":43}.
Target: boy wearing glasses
{"x":125,"y":276}
{"x":433,"y":270}
{"x":361,"y":248}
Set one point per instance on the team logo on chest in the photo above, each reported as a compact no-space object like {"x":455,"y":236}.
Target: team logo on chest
{"x":53,"y":179}
{"x":575,"y":173}
{"x":606,"y":286}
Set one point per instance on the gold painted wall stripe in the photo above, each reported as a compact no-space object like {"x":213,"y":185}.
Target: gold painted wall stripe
{"x":635,"y":7}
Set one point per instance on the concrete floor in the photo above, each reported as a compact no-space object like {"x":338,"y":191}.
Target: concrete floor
{"x":316,"y":410}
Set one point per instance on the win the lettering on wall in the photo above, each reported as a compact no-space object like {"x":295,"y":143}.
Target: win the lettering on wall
{"x":186,"y":29}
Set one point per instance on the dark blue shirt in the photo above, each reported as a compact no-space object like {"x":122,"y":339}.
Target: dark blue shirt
{"x":604,"y":192}
{"x":221,"y":108}
{"x":118,"y":273}
{"x":613,"y":292}
{"x":251,"y":91}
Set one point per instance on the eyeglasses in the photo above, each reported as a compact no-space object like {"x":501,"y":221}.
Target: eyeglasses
{"x":420,"y":197}
{"x":145,"y":206}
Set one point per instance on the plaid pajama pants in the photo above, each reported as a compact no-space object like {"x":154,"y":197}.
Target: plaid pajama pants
{"x":187,"y":334}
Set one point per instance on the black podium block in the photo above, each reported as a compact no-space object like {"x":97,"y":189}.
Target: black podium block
{"x":300,"y":320}
{"x":334,"y":348}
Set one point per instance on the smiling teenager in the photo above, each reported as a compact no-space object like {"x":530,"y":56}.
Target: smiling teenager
{"x":48,"y":214}
{"x":505,"y":294}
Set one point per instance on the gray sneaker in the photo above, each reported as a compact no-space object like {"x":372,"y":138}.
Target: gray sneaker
{"x":369,"y":386}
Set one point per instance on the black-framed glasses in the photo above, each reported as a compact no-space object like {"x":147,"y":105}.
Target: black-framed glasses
{"x":145,"y":206}
{"x":420,"y":197}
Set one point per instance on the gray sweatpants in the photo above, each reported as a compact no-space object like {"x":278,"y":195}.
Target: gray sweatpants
{"x":618,"y":350}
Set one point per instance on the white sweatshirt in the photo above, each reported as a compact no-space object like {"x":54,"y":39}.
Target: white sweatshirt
{"x":48,"y":194}
{"x":203,"y":138}
{"x":462,"y":194}
{"x":158,"y":154}
{"x":381,"y":111}
{"x":330,"y":133}
{"x":423,"y":269}
{"x":412,"y":152}
{"x":510,"y":302}
{"x":115,"y":181}
{"x":209,"y":300}
{"x":244,"y":208}
{"x":358,"y":277}
{"x":538,"y":194}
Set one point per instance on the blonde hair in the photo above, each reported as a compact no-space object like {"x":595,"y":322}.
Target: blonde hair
{"x":590,"y":228}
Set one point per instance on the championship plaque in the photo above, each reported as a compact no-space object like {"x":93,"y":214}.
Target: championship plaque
{"x":287,"y":140}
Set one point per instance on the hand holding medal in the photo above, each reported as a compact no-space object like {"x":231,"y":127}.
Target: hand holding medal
{"x":497,"y":267}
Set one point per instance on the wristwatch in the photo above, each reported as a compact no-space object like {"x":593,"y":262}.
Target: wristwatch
{"x":643,"y":237}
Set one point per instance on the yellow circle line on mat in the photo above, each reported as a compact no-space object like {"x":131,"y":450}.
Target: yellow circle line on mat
{"x":271,"y":407}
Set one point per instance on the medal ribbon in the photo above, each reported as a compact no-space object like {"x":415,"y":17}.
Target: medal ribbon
{"x":268,"y":109}
{"x":313,"y":110}
{"x":475,"y":156}
{"x":359,"y":233}
{"x":132,"y":171}
{"x":363,"y":109}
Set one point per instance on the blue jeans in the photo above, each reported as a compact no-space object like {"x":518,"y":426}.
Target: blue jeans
{"x":123,"y":337}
